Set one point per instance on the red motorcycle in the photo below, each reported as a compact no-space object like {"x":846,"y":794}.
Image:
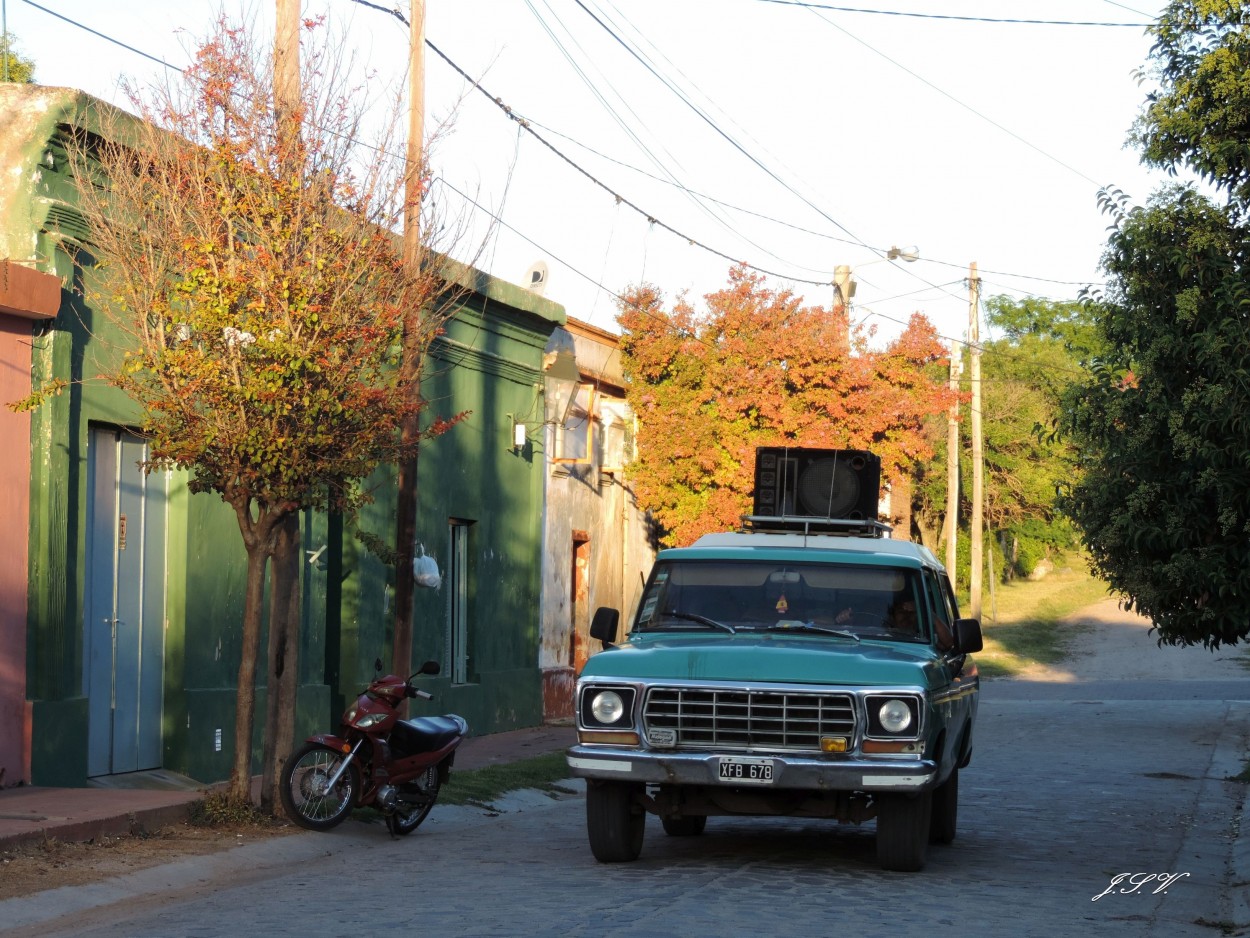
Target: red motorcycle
{"x":377,"y":760}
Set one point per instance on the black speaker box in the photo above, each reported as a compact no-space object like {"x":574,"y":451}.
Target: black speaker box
{"x":817,"y":483}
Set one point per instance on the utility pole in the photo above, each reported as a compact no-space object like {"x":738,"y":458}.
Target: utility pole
{"x":286,"y":90}
{"x":843,"y":290}
{"x":978,"y":467}
{"x":410,"y":355}
{"x":951,"y":525}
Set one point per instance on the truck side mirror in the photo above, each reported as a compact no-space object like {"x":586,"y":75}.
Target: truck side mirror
{"x":604,"y":623}
{"x":968,"y":636}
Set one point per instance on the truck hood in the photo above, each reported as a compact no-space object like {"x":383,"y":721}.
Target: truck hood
{"x":766,"y":657}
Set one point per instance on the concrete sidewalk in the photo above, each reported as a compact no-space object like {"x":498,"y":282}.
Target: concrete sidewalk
{"x":146,"y":801}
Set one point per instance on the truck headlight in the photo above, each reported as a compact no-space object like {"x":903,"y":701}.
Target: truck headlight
{"x":895,"y":716}
{"x":607,"y":707}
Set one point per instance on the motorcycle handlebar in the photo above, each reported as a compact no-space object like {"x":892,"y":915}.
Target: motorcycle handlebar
{"x":414,"y":692}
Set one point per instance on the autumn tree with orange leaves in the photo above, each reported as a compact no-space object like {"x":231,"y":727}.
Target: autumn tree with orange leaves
{"x":257,"y":277}
{"x":759,"y":368}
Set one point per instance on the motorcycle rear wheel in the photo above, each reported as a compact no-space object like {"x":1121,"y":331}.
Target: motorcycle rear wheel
{"x":305,"y":796}
{"x":407,"y":816}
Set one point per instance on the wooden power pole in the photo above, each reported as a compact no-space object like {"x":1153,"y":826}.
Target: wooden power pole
{"x":978,"y":467}
{"x":951,"y":527}
{"x":410,"y":356}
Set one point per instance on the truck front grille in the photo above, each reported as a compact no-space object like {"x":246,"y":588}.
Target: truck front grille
{"x":724,"y":718}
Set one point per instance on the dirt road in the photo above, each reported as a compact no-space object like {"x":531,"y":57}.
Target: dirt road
{"x":1110,"y":644}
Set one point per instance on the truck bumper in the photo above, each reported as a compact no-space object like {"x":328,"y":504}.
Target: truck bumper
{"x":789,"y":770}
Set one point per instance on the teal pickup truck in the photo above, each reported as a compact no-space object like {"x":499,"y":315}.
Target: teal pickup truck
{"x":806,"y":666}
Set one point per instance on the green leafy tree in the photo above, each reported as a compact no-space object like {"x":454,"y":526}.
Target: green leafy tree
{"x":14,"y":67}
{"x":1042,"y":348}
{"x":260,"y":288}
{"x":761,"y":369}
{"x":1164,"y":502}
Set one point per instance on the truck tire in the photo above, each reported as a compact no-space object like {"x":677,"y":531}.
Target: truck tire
{"x":945,"y":810}
{"x":903,"y":831}
{"x":614,"y":822}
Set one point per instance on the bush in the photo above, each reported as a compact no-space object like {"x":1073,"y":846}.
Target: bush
{"x":217,"y":810}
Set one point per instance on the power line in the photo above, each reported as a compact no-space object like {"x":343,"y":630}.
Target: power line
{"x":620,"y":199}
{"x":524,"y":124}
{"x":1123,"y":7}
{"x":651,"y":219}
{"x":948,"y":95}
{"x":944,"y":16}
{"x":530,"y":241}
{"x":779,"y":221}
{"x":703,"y":116}
{"x":116,"y":42}
{"x":716,"y":127}
{"x":672,"y":177}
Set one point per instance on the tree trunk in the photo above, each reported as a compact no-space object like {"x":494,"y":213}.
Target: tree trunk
{"x":240,"y":787}
{"x":900,"y":506}
{"x":930,"y":536}
{"x":283,"y":673}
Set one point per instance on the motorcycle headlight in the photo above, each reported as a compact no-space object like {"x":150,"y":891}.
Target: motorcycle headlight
{"x":371,"y":719}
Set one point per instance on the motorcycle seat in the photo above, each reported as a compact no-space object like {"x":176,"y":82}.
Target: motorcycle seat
{"x":425,"y":734}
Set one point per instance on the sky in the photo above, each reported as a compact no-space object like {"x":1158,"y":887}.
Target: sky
{"x":693,"y":134}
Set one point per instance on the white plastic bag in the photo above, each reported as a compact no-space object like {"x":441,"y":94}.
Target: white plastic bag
{"x":425,"y":569}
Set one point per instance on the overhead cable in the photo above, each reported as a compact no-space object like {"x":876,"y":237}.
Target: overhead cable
{"x":947,"y":16}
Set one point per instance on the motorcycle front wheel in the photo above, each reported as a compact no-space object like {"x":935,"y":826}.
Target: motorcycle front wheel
{"x":306,"y":793}
{"x":422,"y":792}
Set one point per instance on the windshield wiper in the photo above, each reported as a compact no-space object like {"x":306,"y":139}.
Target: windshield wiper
{"x":809,"y":627}
{"x":695,"y":617}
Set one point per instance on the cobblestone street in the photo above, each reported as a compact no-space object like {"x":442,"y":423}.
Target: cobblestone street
{"x":1074,"y":782}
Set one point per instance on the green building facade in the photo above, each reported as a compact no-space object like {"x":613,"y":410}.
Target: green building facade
{"x":134,"y":586}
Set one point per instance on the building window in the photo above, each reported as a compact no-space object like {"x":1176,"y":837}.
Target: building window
{"x":574,"y":436}
{"x":457,"y":640}
{"x":615,"y":434}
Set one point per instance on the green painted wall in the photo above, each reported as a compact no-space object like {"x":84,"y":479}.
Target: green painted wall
{"x":488,"y":362}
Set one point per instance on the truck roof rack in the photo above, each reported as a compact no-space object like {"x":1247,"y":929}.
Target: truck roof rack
{"x":807,"y":525}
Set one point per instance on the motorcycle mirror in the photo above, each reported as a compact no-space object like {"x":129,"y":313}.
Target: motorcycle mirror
{"x":377,"y":665}
{"x":430,"y":667}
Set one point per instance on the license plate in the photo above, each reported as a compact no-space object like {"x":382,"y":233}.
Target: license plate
{"x":746,"y":771}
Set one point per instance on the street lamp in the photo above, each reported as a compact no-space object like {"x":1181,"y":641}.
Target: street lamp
{"x":844,"y":284}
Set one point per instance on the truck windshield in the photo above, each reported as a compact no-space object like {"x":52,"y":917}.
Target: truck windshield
{"x":865,"y":601}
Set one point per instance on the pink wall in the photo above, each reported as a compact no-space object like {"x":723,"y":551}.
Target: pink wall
{"x":15,"y":339}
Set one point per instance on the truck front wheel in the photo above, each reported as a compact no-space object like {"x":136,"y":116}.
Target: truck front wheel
{"x":945,"y":810}
{"x":614,"y":821}
{"x":903,"y":831}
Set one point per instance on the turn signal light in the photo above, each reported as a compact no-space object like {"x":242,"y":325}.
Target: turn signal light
{"x":833,"y":744}
{"x":882,"y":745}
{"x":601,"y":736}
